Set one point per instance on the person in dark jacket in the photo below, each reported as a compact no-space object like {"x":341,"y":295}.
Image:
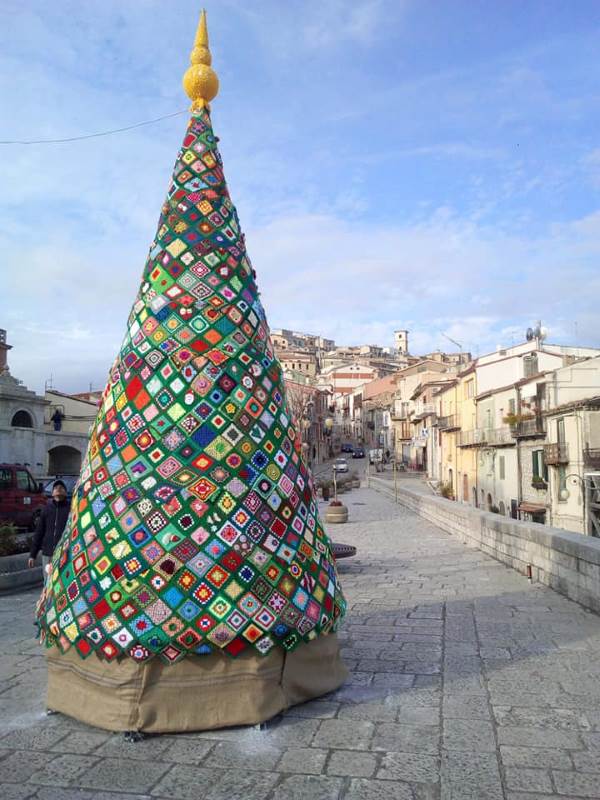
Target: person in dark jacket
{"x":51,"y":525}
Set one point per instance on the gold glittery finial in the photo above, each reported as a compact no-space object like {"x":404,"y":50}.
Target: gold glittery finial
{"x":200,"y":80}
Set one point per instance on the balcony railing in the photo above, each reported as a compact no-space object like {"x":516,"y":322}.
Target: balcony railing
{"x":423,"y":410}
{"x":591,"y":457}
{"x":473,"y":438}
{"x":449,"y":423}
{"x":529,"y":428}
{"x":556,"y":453}
{"x":496,"y":437}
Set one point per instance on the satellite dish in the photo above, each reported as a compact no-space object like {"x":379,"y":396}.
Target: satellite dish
{"x":530,"y":334}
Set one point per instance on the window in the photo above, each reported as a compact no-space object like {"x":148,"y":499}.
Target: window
{"x":470,"y":388}
{"x":560,"y":430}
{"x":511,"y":405}
{"x":5,"y":479}
{"x":501,"y":468}
{"x":538,"y":466}
{"x":561,"y":484}
{"x":22,"y":480}
{"x":22,"y":419}
{"x":530,"y":365}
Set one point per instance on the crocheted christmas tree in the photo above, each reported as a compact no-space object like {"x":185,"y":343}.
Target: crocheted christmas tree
{"x":195,"y":527}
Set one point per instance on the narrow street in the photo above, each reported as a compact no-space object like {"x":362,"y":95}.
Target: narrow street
{"x":467,"y":682}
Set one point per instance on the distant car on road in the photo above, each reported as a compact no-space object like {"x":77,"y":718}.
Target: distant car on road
{"x":358,"y":452}
{"x":340,"y":465}
{"x":347,"y":448}
{"x":70,"y":482}
{"x":21,"y":496}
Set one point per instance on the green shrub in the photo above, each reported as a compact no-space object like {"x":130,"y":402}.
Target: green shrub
{"x":10,"y":544}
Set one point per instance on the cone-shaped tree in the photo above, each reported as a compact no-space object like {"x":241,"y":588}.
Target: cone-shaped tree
{"x":195,"y":525}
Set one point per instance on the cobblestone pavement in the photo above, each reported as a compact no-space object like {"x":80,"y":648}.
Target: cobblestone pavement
{"x":466,"y":682}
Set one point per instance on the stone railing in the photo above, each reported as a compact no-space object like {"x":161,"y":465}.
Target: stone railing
{"x":567,"y":562}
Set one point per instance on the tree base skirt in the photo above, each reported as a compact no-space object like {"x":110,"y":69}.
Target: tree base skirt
{"x":195,"y":694}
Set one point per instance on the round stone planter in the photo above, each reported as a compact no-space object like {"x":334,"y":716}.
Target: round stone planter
{"x":336,"y":514}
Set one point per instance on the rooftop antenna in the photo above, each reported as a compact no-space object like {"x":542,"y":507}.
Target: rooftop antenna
{"x":48,"y":383}
{"x":458,"y":344}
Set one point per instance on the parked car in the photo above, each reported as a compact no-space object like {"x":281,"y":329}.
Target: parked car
{"x":70,"y":481}
{"x":347,"y":448}
{"x":358,"y":452}
{"x":22,"y":498}
{"x":340,"y":465}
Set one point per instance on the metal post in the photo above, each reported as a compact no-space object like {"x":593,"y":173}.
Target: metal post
{"x":395,"y":480}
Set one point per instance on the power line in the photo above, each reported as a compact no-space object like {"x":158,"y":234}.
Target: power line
{"x":92,"y":135}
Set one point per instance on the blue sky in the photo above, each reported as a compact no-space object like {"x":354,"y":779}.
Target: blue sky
{"x":428,"y":164}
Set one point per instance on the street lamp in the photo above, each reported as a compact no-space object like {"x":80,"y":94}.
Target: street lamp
{"x":564,"y":494}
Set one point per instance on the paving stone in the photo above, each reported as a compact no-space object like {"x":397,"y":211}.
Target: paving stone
{"x":12,"y":791}
{"x":19,"y":766}
{"x":406,"y":738}
{"x":470,"y":776}
{"x":301,"y":787}
{"x":412,"y":767}
{"x":344,"y":734}
{"x":528,"y":780}
{"x":581,"y":784}
{"x":150,"y":748}
{"x":460,"y":734}
{"x":556,"y":718}
{"x":190,"y":783}
{"x":184,"y":749}
{"x":346,"y":762}
{"x":260,"y":755}
{"x":466,"y":706}
{"x":80,"y":742}
{"x":364,"y":789}
{"x":538,"y":737}
{"x":32,"y":739}
{"x":62,"y":770}
{"x":536,"y":757}
{"x":303,"y":760}
{"x":123,"y":775}
{"x":64,"y":793}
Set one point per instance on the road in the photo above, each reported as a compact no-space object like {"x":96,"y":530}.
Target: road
{"x":466,"y":682}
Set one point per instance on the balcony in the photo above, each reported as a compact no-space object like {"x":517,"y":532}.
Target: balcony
{"x":449,"y":423}
{"x":556,"y":453}
{"x":591,"y":457}
{"x":498,"y":437}
{"x":529,"y":428}
{"x":474,"y":438}
{"x":423,"y":410}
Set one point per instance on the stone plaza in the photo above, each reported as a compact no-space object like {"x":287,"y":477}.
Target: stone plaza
{"x":467,"y":681}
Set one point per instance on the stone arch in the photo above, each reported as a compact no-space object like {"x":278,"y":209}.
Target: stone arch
{"x":64,"y":460}
{"x":22,"y":419}
{"x":502,"y":508}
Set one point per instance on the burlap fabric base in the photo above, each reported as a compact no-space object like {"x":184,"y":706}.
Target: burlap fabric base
{"x":195,"y":694}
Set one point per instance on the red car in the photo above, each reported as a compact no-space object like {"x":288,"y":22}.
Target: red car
{"x":22,"y":498}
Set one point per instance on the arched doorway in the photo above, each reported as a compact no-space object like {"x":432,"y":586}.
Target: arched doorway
{"x":451,"y":478}
{"x":465,"y":487}
{"x":64,"y":460}
{"x":502,"y":508}
{"x":475,"y":497}
{"x":22,"y":419}
{"x":489,"y":502}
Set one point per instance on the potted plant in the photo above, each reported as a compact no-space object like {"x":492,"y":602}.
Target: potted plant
{"x":447,"y":491}
{"x":336,"y":512}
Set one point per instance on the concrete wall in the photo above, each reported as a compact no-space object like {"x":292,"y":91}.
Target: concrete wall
{"x":567,"y":562}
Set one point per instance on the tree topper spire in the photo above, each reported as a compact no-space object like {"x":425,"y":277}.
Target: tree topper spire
{"x":200,"y":80}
